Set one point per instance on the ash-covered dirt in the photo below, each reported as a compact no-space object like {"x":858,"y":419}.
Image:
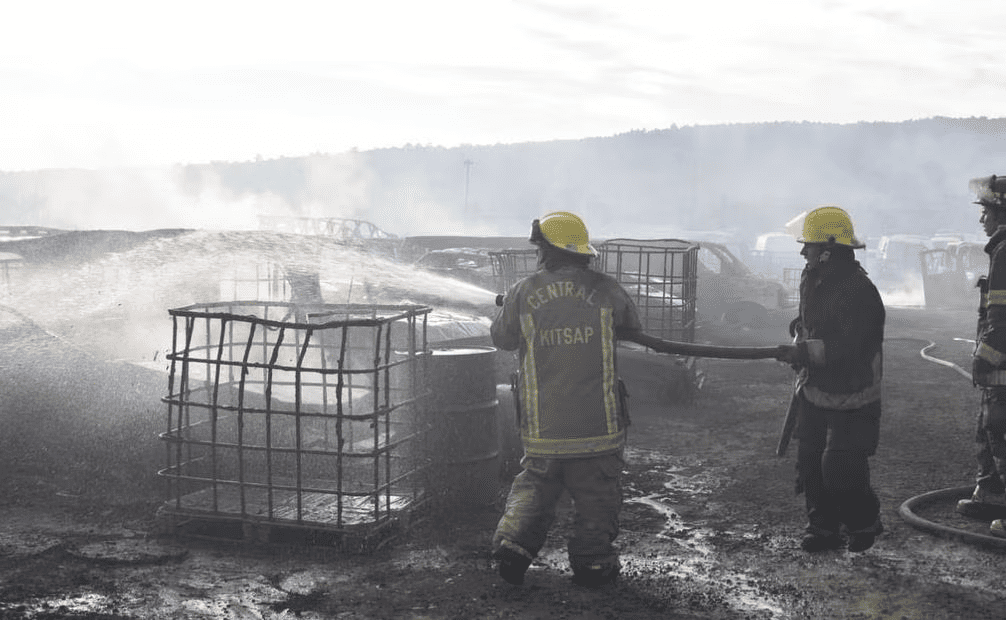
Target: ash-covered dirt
{"x":710,"y":524}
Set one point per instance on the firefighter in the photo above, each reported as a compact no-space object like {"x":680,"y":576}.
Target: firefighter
{"x":838,"y":353}
{"x":564,"y":320}
{"x":989,"y":360}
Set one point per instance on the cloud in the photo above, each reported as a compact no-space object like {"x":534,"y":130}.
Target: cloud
{"x":82,"y":90}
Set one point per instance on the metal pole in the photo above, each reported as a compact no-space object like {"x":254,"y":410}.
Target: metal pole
{"x":468,"y":168}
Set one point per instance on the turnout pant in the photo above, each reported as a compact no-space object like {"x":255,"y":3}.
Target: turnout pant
{"x":595,"y":488}
{"x":833,"y":468}
{"x":991,"y":438}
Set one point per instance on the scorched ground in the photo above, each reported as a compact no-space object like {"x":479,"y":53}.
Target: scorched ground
{"x":710,"y":525}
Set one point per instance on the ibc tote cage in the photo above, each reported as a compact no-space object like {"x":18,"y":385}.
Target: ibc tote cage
{"x":660,"y":276}
{"x":511,"y":266}
{"x":286,"y":418}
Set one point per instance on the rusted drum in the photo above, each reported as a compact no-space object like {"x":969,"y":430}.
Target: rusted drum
{"x":463,"y":438}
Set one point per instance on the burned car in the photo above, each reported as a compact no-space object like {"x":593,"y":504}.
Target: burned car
{"x":726,"y":286}
{"x":470,"y":265}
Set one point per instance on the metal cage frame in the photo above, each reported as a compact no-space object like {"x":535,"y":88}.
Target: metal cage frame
{"x":511,"y":266}
{"x":661,"y":277}
{"x":303,"y":416}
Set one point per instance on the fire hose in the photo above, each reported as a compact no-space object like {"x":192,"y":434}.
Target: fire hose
{"x":909,"y":509}
{"x":698,"y":350}
{"x":707,"y":350}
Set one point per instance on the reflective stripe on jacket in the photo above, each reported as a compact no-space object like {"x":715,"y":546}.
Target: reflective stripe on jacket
{"x":564,"y":323}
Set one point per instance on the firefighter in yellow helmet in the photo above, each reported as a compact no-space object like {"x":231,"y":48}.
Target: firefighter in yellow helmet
{"x":989,"y":362}
{"x":564,"y":321}
{"x":838,"y":354}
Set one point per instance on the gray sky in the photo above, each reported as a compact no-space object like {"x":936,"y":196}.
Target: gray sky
{"x":107,"y":83}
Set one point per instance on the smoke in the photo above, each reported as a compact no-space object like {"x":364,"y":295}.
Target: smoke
{"x":232,"y":196}
{"x":337,"y":186}
{"x":145,"y":199}
{"x":909,"y":292}
{"x":196,"y":197}
{"x":348,"y":186}
{"x":747,"y":179}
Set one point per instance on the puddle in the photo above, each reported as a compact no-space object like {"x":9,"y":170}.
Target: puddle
{"x":694,"y":563}
{"x":237,"y":598}
{"x":129,"y":551}
{"x":688,"y":536}
{"x":686,"y":476}
{"x":80,"y":604}
{"x":738,"y":590}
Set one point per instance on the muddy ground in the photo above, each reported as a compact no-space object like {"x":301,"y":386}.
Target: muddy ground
{"x":710,"y":524}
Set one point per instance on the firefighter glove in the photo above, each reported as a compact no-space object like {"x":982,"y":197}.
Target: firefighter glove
{"x":792,"y":355}
{"x":801,"y":354}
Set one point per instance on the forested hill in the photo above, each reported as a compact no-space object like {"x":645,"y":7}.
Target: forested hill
{"x":907,"y":177}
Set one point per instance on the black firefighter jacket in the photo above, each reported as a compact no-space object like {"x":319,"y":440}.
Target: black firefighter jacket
{"x":842,"y":319}
{"x":989,"y":367}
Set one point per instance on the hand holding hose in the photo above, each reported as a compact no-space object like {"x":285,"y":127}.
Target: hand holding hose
{"x":790,"y":354}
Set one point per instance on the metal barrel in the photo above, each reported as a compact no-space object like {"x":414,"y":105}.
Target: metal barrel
{"x":464,"y":439}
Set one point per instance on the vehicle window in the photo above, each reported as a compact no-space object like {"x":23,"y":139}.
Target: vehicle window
{"x":710,"y":260}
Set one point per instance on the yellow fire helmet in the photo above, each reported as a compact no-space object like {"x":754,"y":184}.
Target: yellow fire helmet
{"x":829,"y":223}
{"x":563,"y":230}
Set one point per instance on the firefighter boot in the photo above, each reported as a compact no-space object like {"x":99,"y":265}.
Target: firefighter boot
{"x":861,"y":541}
{"x":512,"y":565}
{"x":983,"y":504}
{"x":817,"y":542}
{"x":998,"y":528}
{"x":596,"y":575}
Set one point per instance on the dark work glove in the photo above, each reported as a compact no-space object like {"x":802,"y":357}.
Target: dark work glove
{"x":792,"y":354}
